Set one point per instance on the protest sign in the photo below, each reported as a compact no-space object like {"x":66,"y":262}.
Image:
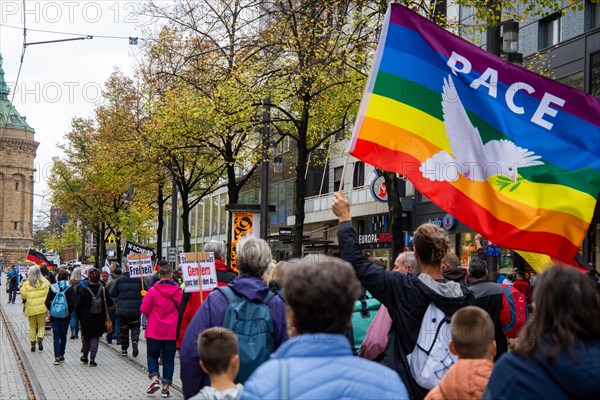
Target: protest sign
{"x":139,"y":265}
{"x":198,"y":271}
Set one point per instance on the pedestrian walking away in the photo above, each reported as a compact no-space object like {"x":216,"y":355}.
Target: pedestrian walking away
{"x":33,"y":293}
{"x":13,"y":279}
{"x":59,"y":296}
{"x":161,"y":308}
{"x":91,"y":311}
{"x":127,"y":292}
{"x":75,"y":281}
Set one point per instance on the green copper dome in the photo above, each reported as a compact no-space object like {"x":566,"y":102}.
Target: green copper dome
{"x":9,"y":116}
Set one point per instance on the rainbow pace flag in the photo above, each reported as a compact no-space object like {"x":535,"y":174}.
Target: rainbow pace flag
{"x":511,"y":154}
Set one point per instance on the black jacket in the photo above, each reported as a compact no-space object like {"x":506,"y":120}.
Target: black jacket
{"x":69,"y":295}
{"x":129,"y":299}
{"x":488,"y":295}
{"x":92,"y":325}
{"x":406,"y":297}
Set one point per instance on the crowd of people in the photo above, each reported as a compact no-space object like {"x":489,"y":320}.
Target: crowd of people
{"x":284,"y":330}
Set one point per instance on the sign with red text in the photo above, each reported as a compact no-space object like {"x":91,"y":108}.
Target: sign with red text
{"x":198,"y":271}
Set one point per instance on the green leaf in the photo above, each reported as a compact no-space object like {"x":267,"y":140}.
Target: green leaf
{"x":515,"y":186}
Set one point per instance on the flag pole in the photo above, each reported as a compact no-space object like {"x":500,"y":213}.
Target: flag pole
{"x":341,"y":188}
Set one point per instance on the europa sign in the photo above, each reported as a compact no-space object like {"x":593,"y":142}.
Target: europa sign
{"x":374,"y":238}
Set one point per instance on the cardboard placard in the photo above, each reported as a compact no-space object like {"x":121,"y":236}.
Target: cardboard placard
{"x":139,"y":265}
{"x":198,"y":271}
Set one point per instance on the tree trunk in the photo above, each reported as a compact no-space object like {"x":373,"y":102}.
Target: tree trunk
{"x":185,"y":222}
{"x":300,"y":200}
{"x":98,"y":247}
{"x":102,"y":242}
{"x":233,"y":193}
{"x":118,"y":245}
{"x":395,"y":213}
{"x":161,"y":222}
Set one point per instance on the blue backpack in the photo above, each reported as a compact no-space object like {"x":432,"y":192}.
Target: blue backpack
{"x":59,"y":307}
{"x":253,"y":324}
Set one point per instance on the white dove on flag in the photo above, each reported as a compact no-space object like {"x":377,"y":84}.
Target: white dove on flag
{"x":470,"y":157}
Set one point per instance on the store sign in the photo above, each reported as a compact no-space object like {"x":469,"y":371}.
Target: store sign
{"x":285,"y":231}
{"x":447,"y":222}
{"x":378,"y":189}
{"x":375,"y":238}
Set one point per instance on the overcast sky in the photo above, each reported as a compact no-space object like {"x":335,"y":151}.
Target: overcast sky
{"x":59,"y":81}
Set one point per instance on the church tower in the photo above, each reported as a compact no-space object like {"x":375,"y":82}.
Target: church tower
{"x":17,"y":155}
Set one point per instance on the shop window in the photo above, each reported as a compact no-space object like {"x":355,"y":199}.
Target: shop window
{"x":358,"y":178}
{"x":549,"y":31}
{"x":595,"y":73}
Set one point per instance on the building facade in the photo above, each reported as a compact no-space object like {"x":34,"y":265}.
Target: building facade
{"x":17,"y":154}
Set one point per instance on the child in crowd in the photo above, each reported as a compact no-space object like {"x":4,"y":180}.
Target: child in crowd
{"x":473,"y":341}
{"x":219,"y":358}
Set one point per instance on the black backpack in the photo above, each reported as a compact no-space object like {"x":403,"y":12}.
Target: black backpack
{"x":96,"y":304}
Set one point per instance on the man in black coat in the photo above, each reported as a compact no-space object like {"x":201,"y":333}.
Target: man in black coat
{"x":488,"y":295}
{"x":127,"y":291}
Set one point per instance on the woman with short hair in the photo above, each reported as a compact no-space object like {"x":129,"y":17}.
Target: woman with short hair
{"x":33,"y":294}
{"x":557,"y":355}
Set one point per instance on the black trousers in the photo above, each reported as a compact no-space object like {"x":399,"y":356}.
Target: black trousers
{"x":129,"y":324}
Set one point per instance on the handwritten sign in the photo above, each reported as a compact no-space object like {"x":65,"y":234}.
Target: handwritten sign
{"x":198,"y":271}
{"x":139,"y":265}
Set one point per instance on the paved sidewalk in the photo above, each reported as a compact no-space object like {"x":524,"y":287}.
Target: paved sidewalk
{"x":115,"y":377}
{"x":12,"y":384}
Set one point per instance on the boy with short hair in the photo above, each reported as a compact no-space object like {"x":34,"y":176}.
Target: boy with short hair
{"x":219,"y":358}
{"x":473,"y":341}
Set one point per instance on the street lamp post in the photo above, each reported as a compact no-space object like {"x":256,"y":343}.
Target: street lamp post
{"x":264,"y":186}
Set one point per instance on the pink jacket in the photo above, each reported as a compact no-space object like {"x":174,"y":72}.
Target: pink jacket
{"x":161,"y":307}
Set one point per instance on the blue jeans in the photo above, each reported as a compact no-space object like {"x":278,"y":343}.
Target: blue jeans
{"x":154,"y":349}
{"x":74,"y":324}
{"x":116,"y":327}
{"x":59,"y":331}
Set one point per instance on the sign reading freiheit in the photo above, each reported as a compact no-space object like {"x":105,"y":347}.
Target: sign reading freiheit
{"x":139,"y":265}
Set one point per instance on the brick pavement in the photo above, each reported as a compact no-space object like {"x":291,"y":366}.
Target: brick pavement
{"x":12,"y":384}
{"x":116,"y":377}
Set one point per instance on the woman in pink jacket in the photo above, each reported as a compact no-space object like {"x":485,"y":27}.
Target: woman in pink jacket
{"x":161,"y":307}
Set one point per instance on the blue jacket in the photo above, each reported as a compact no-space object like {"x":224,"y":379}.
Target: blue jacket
{"x":321,"y":366}
{"x":211,"y":313}
{"x":516,"y":377}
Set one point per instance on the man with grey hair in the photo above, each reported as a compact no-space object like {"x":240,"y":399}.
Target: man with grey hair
{"x":253,"y":258}
{"x":406,"y":263}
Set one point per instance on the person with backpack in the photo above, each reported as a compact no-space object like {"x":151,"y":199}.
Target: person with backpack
{"x":161,"y":307}
{"x":74,"y":281}
{"x":92,"y":308}
{"x":13,"y":284}
{"x":488,"y":296}
{"x":61,"y":305}
{"x":127,"y":292}
{"x":418,"y":304}
{"x":261,"y":327}
{"x":33,"y":294}
{"x":317,"y":362}
{"x":557,"y":355}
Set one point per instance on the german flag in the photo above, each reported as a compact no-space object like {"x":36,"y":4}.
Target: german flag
{"x":38,"y":258}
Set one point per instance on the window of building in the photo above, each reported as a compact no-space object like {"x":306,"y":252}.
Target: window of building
{"x":215,"y":215}
{"x":207,"y":214}
{"x":16,"y":185}
{"x":594,"y":14}
{"x":223,"y":214}
{"x":574,"y":80}
{"x":16,"y":225}
{"x":358,"y":178}
{"x":549,"y":31}
{"x":337,"y":178}
{"x":595,"y":73}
